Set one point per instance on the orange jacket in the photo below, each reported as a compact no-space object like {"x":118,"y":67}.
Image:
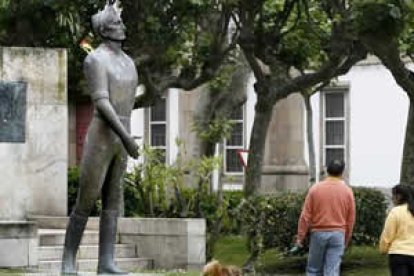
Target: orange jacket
{"x":329,"y":206}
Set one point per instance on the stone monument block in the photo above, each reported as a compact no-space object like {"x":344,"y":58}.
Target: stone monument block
{"x":33,"y":132}
{"x":33,"y":147}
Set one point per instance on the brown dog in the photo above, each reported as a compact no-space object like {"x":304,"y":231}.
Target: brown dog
{"x":214,"y":268}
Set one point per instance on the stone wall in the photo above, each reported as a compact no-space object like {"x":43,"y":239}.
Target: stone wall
{"x":34,"y":172}
{"x":18,"y":244}
{"x":284,"y":166}
{"x":170,"y":243}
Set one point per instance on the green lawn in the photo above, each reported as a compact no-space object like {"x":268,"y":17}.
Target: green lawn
{"x":357,"y":260}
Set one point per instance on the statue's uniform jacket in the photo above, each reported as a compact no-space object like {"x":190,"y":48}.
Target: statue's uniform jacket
{"x":111,"y":77}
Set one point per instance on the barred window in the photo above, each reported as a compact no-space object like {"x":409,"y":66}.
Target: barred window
{"x":334,"y":125}
{"x":158,"y":128}
{"x":234,"y":143}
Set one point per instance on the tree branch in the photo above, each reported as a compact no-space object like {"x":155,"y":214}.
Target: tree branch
{"x":389,"y":54}
{"x":332,"y":68}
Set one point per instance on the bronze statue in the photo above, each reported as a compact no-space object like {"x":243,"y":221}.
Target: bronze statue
{"x":112,"y":81}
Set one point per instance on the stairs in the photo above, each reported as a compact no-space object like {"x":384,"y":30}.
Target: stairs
{"x":50,"y":252}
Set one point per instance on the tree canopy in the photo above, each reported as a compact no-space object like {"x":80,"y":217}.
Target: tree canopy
{"x":175,"y":43}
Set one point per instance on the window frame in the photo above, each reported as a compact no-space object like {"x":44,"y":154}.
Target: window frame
{"x":344,"y":90}
{"x":235,"y":147}
{"x":165,"y":122}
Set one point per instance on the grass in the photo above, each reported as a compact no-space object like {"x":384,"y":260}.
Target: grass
{"x":231,"y":250}
{"x":14,"y":272}
{"x":358,"y":260}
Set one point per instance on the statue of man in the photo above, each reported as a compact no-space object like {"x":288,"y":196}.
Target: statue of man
{"x":112,"y":81}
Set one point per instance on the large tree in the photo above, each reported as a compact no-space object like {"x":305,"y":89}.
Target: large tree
{"x":179,"y":44}
{"x":386,"y":29}
{"x":279,"y":37}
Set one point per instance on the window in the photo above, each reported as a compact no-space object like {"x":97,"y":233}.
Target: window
{"x":234,"y":143}
{"x":158,"y":128}
{"x":334,"y":125}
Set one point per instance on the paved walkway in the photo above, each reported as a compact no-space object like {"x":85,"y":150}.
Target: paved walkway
{"x":175,"y":273}
{"x":56,"y":273}
{"x":80,"y":273}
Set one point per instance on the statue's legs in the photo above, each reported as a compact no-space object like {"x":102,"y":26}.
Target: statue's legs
{"x":73,"y":236}
{"x":94,"y":165}
{"x":111,"y":196}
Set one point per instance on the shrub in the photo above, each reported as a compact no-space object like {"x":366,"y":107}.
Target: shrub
{"x":371,"y":206}
{"x":73,"y":186}
{"x":232,"y":224}
{"x":271,"y":222}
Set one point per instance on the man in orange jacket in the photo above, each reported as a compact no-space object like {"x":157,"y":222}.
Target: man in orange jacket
{"x":329,"y":215}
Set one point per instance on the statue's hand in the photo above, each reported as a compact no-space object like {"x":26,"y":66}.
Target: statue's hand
{"x":131,"y":147}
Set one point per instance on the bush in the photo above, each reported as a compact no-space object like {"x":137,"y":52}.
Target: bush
{"x":371,"y":206}
{"x":271,"y":222}
{"x":232,"y":224}
{"x":73,"y":186}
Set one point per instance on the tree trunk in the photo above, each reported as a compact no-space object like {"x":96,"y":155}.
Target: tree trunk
{"x":407,"y":166}
{"x":309,"y":136}
{"x":386,"y":49}
{"x":261,"y":123}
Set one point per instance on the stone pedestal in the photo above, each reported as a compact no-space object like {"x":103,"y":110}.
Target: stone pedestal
{"x":33,"y":161}
{"x":284,"y":167}
{"x":170,"y":243}
{"x":18,"y":244}
{"x":34,"y":169}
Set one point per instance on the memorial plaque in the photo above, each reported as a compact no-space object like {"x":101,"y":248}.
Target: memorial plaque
{"x":12,"y":112}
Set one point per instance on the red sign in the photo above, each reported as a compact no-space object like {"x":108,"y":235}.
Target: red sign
{"x":243,"y":156}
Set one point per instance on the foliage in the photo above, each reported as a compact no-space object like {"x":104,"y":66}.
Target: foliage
{"x":213,"y":131}
{"x":271,"y":221}
{"x":55,"y":24}
{"x":146,"y":186}
{"x":179,"y":44}
{"x":370,"y":209}
{"x":379,"y":17}
{"x":73,"y":186}
{"x":154,"y":189}
{"x":358,"y":260}
{"x":166,"y":38}
{"x":291,"y":32}
{"x":291,"y":46}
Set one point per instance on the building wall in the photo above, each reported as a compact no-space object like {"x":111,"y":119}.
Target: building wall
{"x":378,"y":114}
{"x":284,"y":162}
{"x":34,"y":172}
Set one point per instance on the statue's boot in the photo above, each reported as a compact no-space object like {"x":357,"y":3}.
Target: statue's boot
{"x":107,"y":239}
{"x":73,"y":236}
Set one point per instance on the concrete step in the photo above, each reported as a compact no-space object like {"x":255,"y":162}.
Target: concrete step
{"x":49,"y":237}
{"x":47,"y":222}
{"x":127,"y":264}
{"x":85,"y":252}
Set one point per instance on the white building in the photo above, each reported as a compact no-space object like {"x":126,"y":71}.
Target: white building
{"x":361,"y":118}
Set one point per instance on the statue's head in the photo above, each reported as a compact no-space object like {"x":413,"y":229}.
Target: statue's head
{"x":108,"y":24}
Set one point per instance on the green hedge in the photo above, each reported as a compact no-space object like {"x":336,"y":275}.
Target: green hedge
{"x":268,"y":222}
{"x":73,"y":186}
{"x":135,"y":204}
{"x":371,"y":206}
{"x":271,"y":222}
